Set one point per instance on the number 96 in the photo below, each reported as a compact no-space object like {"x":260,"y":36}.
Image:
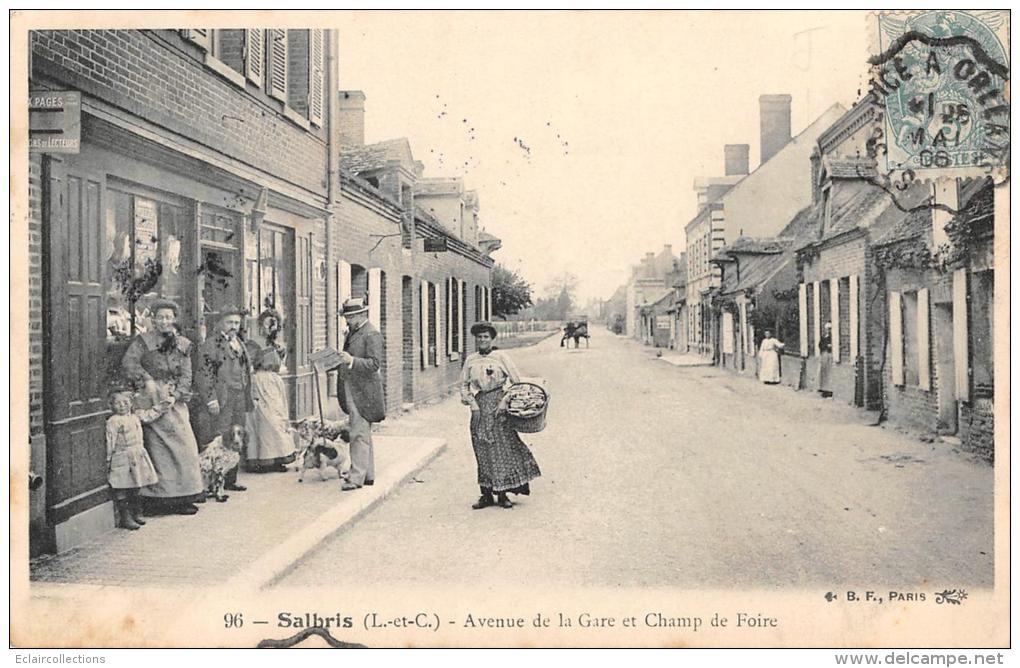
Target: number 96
{"x":233,"y":620}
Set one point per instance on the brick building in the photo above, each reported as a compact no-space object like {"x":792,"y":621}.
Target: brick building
{"x":203,"y":175}
{"x":209,"y":173}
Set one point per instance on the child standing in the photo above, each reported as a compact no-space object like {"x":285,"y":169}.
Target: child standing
{"x":127,"y":461}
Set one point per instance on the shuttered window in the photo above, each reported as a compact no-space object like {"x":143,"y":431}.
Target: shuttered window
{"x":200,"y":36}
{"x":254,"y":55}
{"x":317,"y":76}
{"x":276,"y":64}
{"x":854,"y":311}
{"x":423,"y":297}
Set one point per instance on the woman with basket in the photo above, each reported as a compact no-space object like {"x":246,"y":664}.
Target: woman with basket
{"x":505,"y":464}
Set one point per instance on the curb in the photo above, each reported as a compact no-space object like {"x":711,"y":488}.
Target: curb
{"x":271,"y":567}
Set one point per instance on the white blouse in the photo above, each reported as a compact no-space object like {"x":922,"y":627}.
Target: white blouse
{"x":483,"y":373}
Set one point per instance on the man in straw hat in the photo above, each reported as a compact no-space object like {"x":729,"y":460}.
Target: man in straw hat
{"x":223,"y":384}
{"x":360,"y":390}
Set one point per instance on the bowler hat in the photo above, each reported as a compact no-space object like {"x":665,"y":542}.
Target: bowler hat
{"x":480,"y":327}
{"x":233,"y":311}
{"x":353,"y":306}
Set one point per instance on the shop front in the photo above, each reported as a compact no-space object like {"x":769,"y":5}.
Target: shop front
{"x":127,"y":221}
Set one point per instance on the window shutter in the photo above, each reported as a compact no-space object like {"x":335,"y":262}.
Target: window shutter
{"x":488,"y":303}
{"x":960,"y":344}
{"x":802,"y":307}
{"x":424,"y":320}
{"x":276,"y":63}
{"x":200,"y":36}
{"x":449,"y":316}
{"x":438,"y":324}
{"x":463,"y":317}
{"x":254,"y":55}
{"x":896,"y":337}
{"x":316,"y":75}
{"x":834,"y":316}
{"x":375,"y":296}
{"x":854,"y":344}
{"x":816,"y":309}
{"x":923,"y":341}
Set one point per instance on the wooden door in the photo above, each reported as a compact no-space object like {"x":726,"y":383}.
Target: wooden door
{"x":303,"y":391}
{"x":74,"y":338}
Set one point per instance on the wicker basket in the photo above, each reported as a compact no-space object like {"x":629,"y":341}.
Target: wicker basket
{"x":534,"y":423}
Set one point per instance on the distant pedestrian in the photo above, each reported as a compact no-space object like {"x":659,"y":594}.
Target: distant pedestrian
{"x":825,"y":361}
{"x":768,"y":357}
{"x":505,"y":464}
{"x":360,"y":390}
{"x":128,"y":464}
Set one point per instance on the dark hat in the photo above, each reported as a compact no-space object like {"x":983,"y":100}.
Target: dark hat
{"x":353,"y":306}
{"x":160,"y":304}
{"x":233,"y":311}
{"x":480,"y":327}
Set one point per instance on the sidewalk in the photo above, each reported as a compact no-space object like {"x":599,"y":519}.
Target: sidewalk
{"x":252,"y":538}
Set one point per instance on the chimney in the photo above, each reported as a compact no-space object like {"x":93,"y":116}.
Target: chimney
{"x":352,"y":117}
{"x":775,"y":124}
{"x":737,"y":159}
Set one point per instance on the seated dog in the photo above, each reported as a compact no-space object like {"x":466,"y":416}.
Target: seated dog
{"x":217,"y":459}
{"x":323,"y":446}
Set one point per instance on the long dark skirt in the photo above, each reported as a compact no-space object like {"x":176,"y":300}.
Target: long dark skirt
{"x":504,"y":462}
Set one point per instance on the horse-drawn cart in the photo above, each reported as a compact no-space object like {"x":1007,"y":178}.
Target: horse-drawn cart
{"x":576,"y":329}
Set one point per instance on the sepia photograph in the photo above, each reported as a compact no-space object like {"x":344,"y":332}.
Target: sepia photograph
{"x":467,"y":329}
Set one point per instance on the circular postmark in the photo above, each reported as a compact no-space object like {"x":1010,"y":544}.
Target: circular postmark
{"x":942,"y":80}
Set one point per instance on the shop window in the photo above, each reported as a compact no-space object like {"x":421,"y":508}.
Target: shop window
{"x":144,"y":260}
{"x":274,"y":280}
{"x":220,"y":268}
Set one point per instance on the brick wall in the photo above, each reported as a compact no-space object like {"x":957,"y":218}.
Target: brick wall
{"x":977,"y":428}
{"x":159,"y":76}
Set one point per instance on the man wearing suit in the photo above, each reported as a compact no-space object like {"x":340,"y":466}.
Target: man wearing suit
{"x":223,"y":386}
{"x":360,"y":390}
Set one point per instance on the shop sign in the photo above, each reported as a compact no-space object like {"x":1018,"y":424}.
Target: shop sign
{"x":54,"y":121}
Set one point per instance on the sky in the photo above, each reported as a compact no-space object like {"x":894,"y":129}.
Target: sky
{"x":583,"y":131}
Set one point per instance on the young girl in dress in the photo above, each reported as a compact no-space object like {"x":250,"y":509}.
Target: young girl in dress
{"x":128,"y":463}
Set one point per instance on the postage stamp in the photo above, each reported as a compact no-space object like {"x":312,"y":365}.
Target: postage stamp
{"x":943,"y":79}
